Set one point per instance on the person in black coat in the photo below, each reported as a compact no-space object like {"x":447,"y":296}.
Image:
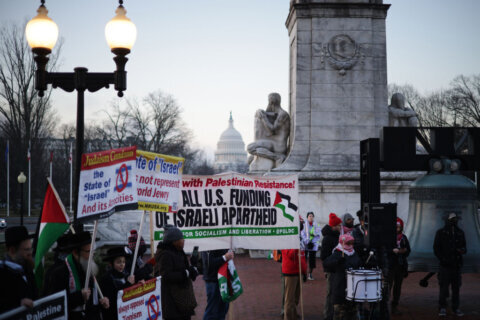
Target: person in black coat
{"x":449,"y":247}
{"x":330,"y":233}
{"x":115,"y":279}
{"x":177,"y":275}
{"x":16,"y":271}
{"x":359,"y":236}
{"x":343,"y":258}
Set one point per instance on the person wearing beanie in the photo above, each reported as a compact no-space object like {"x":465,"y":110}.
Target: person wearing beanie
{"x":115,"y":279}
{"x":311,"y":234}
{"x":449,"y":246}
{"x":16,"y":270}
{"x":177,"y":274}
{"x":347,"y":226}
{"x":398,"y":266}
{"x":143,"y":271}
{"x":330,"y":233}
{"x":343,"y":258}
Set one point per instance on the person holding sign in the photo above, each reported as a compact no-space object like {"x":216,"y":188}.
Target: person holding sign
{"x":178,"y":298}
{"x":115,"y":279}
{"x":16,"y":270}
{"x":82,"y":304}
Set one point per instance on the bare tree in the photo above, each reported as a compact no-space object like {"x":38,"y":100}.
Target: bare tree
{"x":465,"y":100}
{"x":24,"y":117}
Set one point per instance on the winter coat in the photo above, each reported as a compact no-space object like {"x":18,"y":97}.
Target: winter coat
{"x":329,"y":241}
{"x":311,"y":234}
{"x":337,"y":265}
{"x":448,"y":240}
{"x":112,"y":282}
{"x":360,"y":248}
{"x":212,"y":261}
{"x":172,"y":265}
{"x":17,"y":284}
{"x":290,"y":262}
{"x":400,"y":259}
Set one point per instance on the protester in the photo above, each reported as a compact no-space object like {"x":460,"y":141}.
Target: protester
{"x":115,"y":279}
{"x":311,"y":235}
{"x":216,"y":308}
{"x":398,"y":266}
{"x":330,"y":233}
{"x":291,"y":273}
{"x":71,"y":277}
{"x":449,"y":247}
{"x":62,"y":250}
{"x":16,"y":270}
{"x":359,"y":236}
{"x":178,"y":298}
{"x":143,"y":271}
{"x":343,"y":258}
{"x":347,"y":226}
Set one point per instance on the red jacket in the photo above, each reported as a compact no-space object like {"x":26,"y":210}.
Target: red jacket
{"x":290,"y":262}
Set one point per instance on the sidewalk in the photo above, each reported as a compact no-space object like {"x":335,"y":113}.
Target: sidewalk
{"x":262,"y":294}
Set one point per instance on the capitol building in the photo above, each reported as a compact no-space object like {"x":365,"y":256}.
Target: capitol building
{"x":230,"y":154}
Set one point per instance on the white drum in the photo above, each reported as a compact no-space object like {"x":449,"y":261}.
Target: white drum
{"x":364,"y":285}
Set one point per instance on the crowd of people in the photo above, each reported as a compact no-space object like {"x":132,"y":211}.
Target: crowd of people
{"x":342,"y":247}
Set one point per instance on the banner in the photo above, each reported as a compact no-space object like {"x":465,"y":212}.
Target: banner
{"x":235,"y":211}
{"x":107,"y":183}
{"x":141,"y":301}
{"x":158,"y":181}
{"x":48,"y":308}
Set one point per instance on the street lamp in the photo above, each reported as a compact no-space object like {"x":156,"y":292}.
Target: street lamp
{"x":21,"y":179}
{"x":41,"y":33}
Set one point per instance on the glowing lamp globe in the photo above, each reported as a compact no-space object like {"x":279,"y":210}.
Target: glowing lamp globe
{"x":41,"y":31}
{"x":120,"y":31}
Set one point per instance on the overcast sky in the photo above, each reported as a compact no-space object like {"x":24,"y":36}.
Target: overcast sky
{"x":217,"y":56}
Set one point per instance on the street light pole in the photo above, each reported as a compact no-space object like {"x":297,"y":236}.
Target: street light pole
{"x":42,"y":35}
{"x":21,"y":179}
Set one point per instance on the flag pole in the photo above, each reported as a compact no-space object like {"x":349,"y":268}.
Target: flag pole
{"x":152,"y":237}
{"x":90,"y":256}
{"x":137,"y":245}
{"x":71,"y":177}
{"x":51,"y":160}
{"x":29,"y":179}
{"x":8,"y":178}
{"x":300,"y":278}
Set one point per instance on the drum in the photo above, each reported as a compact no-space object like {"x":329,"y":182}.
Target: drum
{"x":364,"y":285}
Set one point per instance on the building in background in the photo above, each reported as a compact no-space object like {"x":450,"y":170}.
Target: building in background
{"x":230,"y":154}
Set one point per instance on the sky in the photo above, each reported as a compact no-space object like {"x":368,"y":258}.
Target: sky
{"x":217,"y":56}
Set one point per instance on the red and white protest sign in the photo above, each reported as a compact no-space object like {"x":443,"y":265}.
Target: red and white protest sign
{"x":141,"y":301}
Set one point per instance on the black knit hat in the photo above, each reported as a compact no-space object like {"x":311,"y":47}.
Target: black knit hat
{"x":15,"y":235}
{"x":171,"y":234}
{"x":115,"y":252}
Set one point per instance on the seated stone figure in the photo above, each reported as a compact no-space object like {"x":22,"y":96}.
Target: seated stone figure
{"x":399,"y":115}
{"x":272,"y":128}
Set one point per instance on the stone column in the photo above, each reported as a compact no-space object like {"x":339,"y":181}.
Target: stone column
{"x":338,"y":84}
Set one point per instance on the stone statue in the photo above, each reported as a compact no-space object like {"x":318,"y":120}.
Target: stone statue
{"x":399,"y":115}
{"x":272,"y":128}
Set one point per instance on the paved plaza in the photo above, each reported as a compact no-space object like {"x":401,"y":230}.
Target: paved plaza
{"x":262,"y":294}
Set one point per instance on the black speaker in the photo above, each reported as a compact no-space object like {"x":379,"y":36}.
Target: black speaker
{"x":380,"y":224}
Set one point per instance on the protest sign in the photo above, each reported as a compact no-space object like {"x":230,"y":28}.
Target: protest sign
{"x":158,"y":181}
{"x":141,"y":301}
{"x":51,"y":307}
{"x":235,"y":211}
{"x":107,"y":183}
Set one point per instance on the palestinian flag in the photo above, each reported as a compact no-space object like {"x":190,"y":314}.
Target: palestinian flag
{"x":54,"y":222}
{"x":229,"y":282}
{"x":282,"y":201}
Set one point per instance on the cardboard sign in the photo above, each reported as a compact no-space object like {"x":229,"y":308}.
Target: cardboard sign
{"x":107,"y":183}
{"x":235,"y":211}
{"x":140,"y":301}
{"x":159,"y":179}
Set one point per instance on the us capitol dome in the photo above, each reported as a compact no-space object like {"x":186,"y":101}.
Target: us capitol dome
{"x":230,"y":154}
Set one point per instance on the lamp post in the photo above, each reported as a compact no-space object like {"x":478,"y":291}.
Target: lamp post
{"x":21,"y":179}
{"x":42,"y":34}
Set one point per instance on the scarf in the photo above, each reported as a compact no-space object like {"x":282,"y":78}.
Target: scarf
{"x":346,"y":230}
{"x":399,"y":239}
{"x":347,"y":249}
{"x":73,"y":278}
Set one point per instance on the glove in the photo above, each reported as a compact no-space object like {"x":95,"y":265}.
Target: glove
{"x":192,"y":273}
{"x":310,"y":246}
{"x":193,"y":261}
